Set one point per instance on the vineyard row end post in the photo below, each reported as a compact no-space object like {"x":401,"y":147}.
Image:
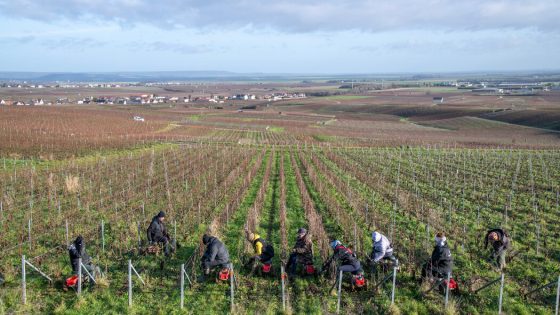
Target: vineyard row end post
{"x":23,"y":283}
{"x":501,"y":294}
{"x":339,"y":292}
{"x":79,"y":276}
{"x":557,"y":295}
{"x":182,"y":285}
{"x":394,"y":284}
{"x":231,"y":287}
{"x":447,"y":289}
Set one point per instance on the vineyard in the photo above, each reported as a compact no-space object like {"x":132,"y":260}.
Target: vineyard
{"x":408,"y":194}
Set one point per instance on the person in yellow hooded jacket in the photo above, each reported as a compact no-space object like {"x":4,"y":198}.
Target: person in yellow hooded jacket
{"x":264,"y":252}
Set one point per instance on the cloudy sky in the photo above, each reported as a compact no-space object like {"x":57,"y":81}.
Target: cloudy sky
{"x":280,"y":36}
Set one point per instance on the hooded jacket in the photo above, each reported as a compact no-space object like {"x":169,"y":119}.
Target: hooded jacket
{"x":501,"y":244}
{"x":262,"y":247}
{"x":156,"y":231}
{"x":215,"y":251}
{"x":381,"y":248}
{"x":441,"y":260}
{"x":77,"y":250}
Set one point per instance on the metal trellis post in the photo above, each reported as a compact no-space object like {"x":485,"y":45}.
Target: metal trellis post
{"x":23,"y":283}
{"x":79,"y":276}
{"x":339,"y":292}
{"x":501,"y":295}
{"x":394,"y":284}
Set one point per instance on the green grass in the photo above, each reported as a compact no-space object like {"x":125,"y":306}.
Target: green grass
{"x":276,"y":129}
{"x":442,"y":173}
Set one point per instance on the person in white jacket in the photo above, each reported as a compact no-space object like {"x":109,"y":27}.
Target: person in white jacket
{"x":382,"y":250}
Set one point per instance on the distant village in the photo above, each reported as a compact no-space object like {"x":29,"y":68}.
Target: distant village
{"x":152,"y":99}
{"x":504,"y":88}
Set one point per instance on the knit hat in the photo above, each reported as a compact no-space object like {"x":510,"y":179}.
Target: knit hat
{"x":301,"y":231}
{"x":206,"y":239}
{"x":161,"y":214}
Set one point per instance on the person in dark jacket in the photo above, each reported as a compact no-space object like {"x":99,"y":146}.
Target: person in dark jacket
{"x":500,"y":242}
{"x":441,"y":262}
{"x":77,"y":250}
{"x":157,"y":233}
{"x":264,"y":251}
{"x":302,"y":253}
{"x":1,"y":279}
{"x":216,"y":254}
{"x":347,"y":260}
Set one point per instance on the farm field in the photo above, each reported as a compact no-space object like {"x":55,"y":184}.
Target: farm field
{"x":341,"y":166}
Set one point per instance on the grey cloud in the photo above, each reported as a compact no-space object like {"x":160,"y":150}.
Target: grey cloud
{"x":302,"y":15}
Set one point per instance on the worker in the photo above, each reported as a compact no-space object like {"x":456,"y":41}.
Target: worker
{"x":157,"y":234}
{"x":347,"y":260}
{"x":441,"y":262}
{"x":264,"y":252}
{"x":302,"y":253}
{"x":77,"y":250}
{"x":501,"y":242}
{"x":216,"y":254}
{"x":382,"y":250}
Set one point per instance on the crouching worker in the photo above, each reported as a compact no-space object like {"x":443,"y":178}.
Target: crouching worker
{"x":347,"y":260}
{"x":216,"y":255}
{"x":500,"y":242}
{"x":302,"y":253}
{"x":77,"y":250}
{"x":347,"y":263}
{"x":264,"y":252}
{"x":441,"y":262}
{"x":157,"y":234}
{"x":382,"y":250}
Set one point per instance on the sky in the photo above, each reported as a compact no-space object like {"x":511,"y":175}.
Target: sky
{"x":279,"y":36}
